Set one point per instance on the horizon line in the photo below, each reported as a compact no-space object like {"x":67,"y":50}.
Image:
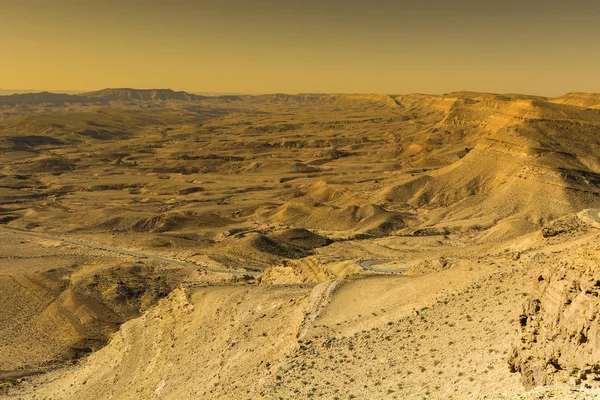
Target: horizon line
{"x":8,"y":92}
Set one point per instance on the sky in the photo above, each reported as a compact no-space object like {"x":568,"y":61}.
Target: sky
{"x":290,"y":46}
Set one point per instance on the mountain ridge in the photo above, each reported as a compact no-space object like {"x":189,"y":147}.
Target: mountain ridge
{"x":582,"y":99}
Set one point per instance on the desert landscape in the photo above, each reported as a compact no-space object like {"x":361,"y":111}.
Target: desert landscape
{"x":157,"y":244}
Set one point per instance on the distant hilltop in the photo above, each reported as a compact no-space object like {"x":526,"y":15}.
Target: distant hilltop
{"x":100,"y":96}
{"x":6,"y":92}
{"x":41,"y":98}
{"x":141,"y":94}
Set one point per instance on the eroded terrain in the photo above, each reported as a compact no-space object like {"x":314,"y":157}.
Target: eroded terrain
{"x":157,"y":244}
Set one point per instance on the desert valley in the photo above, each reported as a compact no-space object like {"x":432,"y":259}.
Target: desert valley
{"x":157,"y":244}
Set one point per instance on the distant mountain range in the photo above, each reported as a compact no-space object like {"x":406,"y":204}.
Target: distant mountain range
{"x":100,"y":96}
{"x":135,"y":95}
{"x":15,"y":97}
{"x":156,"y":95}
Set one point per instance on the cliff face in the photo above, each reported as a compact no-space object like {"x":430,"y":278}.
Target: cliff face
{"x":560,"y":329}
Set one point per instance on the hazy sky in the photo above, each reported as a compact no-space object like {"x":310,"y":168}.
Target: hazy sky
{"x":257,"y":46}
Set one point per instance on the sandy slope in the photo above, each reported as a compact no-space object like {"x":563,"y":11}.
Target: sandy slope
{"x":443,"y":335}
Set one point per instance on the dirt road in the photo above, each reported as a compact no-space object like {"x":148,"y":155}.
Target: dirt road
{"x":369,"y":266}
{"x":126,"y":252}
{"x":594,"y":213}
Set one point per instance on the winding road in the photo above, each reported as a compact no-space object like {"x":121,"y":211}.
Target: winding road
{"x":126,"y":252}
{"x":594,"y":214}
{"x":367,"y":265}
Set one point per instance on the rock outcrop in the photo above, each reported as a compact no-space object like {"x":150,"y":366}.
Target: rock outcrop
{"x":560,"y":329}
